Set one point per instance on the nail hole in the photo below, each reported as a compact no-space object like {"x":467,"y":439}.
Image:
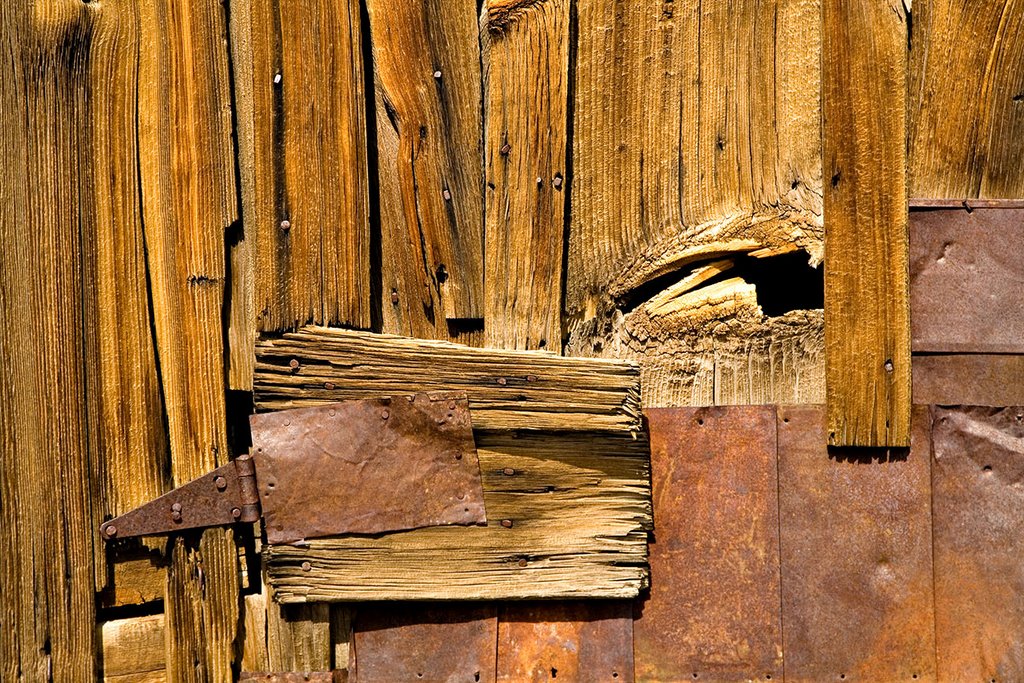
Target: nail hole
{"x":836,"y":178}
{"x":987,"y":468}
{"x":554,"y":672}
{"x":842,"y":676}
{"x":786,"y":420}
{"x":700,"y":422}
{"x":442,"y":274}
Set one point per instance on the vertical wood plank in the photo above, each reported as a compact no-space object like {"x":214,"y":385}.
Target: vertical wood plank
{"x":427,"y":78}
{"x":867,"y":312}
{"x":189,"y":200}
{"x":47,"y":539}
{"x":526,"y":54}
{"x":967,"y":100}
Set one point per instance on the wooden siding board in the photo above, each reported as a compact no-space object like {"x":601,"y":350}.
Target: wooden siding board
{"x":867,"y":312}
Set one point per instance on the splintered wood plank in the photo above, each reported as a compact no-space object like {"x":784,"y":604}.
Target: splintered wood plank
{"x":420,"y":642}
{"x":696,"y":132}
{"x":133,"y":650}
{"x":967,"y":99}
{"x":713,"y":612}
{"x":426,"y":59}
{"x":856,"y":555}
{"x":567,"y":515}
{"x":47,"y":536}
{"x":188,"y":198}
{"x":867,"y":311}
{"x":507,"y":389}
{"x":576,"y":641}
{"x":305,"y":189}
{"x":526,"y":57}
{"x":978,"y":529}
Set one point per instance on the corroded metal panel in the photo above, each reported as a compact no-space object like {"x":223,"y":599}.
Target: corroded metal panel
{"x":293,"y":677}
{"x":366,"y":467}
{"x":966,"y":275}
{"x":857,"y":600}
{"x":982,"y":379}
{"x":430,"y":643}
{"x":977,"y":478}
{"x":713,"y":613}
{"x":572,"y":641}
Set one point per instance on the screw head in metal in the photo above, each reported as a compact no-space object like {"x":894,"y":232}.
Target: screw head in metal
{"x":221,"y":483}
{"x":509,"y":471}
{"x":286,"y":225}
{"x":385,"y":414}
{"x":236,"y":513}
{"x":294,"y":364}
{"x":507,"y":523}
{"x":306,"y":566}
{"x":110,"y":530}
{"x":176,"y":516}
{"x":176,"y":507}
{"x":451,"y":406}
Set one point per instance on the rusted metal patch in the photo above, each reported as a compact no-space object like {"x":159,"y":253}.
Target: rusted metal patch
{"x":714,"y":608}
{"x":572,"y":641}
{"x":855,"y":530}
{"x":224,"y":496}
{"x":368,"y":466}
{"x":419,"y":642}
{"x":293,"y":677}
{"x":966,"y":276}
{"x":978,"y":489}
{"x":980,"y":379}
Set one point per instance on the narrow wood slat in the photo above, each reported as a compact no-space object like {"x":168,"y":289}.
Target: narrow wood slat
{"x":427,"y":77}
{"x":507,"y":389}
{"x":188,"y":198}
{"x":578,"y":504}
{"x":966,"y":110}
{"x":47,"y":577}
{"x":526,"y":83}
{"x":867,"y":314}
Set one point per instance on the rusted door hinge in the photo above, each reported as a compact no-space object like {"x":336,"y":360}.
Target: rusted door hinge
{"x":356,"y":467}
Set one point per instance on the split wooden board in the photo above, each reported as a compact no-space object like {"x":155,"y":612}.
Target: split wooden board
{"x":565,"y":472}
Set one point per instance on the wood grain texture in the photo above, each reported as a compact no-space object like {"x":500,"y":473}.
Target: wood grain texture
{"x":579,"y":507}
{"x":695,"y":128}
{"x":427,"y":78}
{"x":305,"y":190}
{"x":525,"y":56}
{"x":967,"y":100}
{"x":188,"y":199}
{"x":867,"y":307}
{"x":507,"y":389}
{"x":132,"y":650}
{"x":47,"y":576}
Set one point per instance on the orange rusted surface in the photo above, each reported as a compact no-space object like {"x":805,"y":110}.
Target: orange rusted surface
{"x":978,"y":482}
{"x":713,"y":612}
{"x":856,"y":545}
{"x":570,"y":641}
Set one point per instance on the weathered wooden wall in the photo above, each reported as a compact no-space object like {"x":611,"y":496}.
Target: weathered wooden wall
{"x":623,"y":178}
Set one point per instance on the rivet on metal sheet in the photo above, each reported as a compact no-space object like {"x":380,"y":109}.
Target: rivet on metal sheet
{"x":221,"y":483}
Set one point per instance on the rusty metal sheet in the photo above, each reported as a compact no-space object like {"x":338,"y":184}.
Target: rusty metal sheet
{"x":713,"y":611}
{"x":978,"y":490}
{"x":855,"y":528}
{"x":293,"y":677}
{"x":224,"y":496}
{"x":413,"y":642}
{"x":966,"y":276}
{"x":368,"y":466}
{"x":969,"y":379}
{"x":572,"y":641}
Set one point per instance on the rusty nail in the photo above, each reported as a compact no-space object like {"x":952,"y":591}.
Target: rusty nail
{"x":502,"y":381}
{"x":507,"y":523}
{"x":508,"y":471}
{"x":221,"y":483}
{"x":522,"y":563}
{"x":110,"y":530}
{"x":236,"y":512}
{"x":394,"y":296}
{"x":888,"y":366}
{"x":306,"y":566}
{"x":451,"y":406}
{"x":447,"y":195}
{"x":540,"y":181}
{"x":557,"y":182}
{"x":531,"y":378}
{"x":328,"y":385}
{"x":331,"y":412}
{"x":176,"y":516}
{"x":505,"y":149}
{"x":385,"y":414}
{"x":286,"y":225}
{"x":294,"y":364}
{"x":437,"y":74}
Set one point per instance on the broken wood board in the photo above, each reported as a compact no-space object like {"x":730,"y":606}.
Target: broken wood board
{"x":508,"y":390}
{"x":856,"y":555}
{"x":978,"y":531}
{"x":966,"y":81}
{"x":427,"y":78}
{"x":567,"y":517}
{"x":713,"y":612}
{"x":867,"y":311}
